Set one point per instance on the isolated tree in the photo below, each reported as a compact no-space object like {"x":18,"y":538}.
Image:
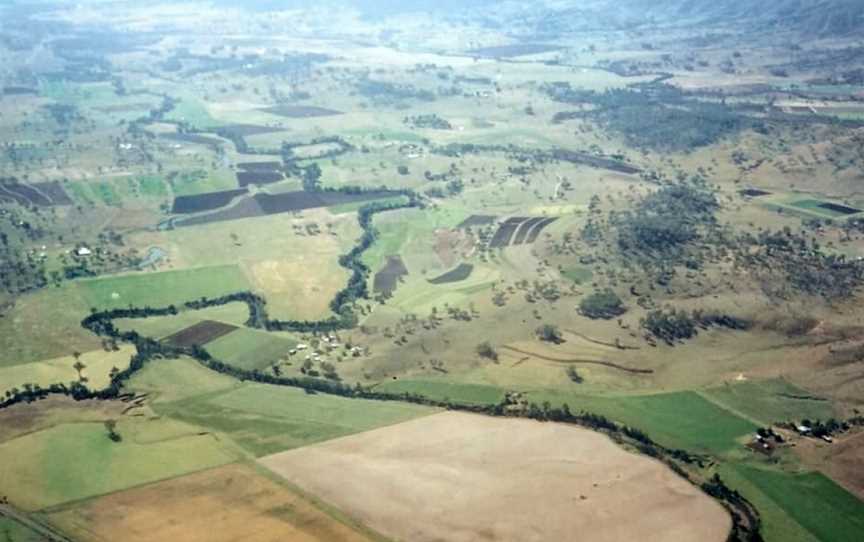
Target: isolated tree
{"x":549,"y":333}
{"x":79,"y":366}
{"x":111,"y":427}
{"x":574,"y":375}
{"x":486,"y":350}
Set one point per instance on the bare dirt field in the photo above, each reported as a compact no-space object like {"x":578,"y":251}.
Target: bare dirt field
{"x":220,"y":505}
{"x":463,"y":477}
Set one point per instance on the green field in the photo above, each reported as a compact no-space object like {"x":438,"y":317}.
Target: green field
{"x":813,"y":206}
{"x":826,"y":511}
{"x":770,"y":401}
{"x":12,"y":531}
{"x":172,"y":380}
{"x":267,"y":419}
{"x":681,"y":419}
{"x":74,"y":461}
{"x":250,"y":349}
{"x":190,"y":109}
{"x":579,"y":275}
{"x":44,"y":325}
{"x":164,"y":288}
{"x":441,"y":390}
{"x":152,"y":186}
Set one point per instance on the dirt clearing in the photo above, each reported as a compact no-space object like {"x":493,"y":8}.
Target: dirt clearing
{"x":220,"y":505}
{"x":463,"y":477}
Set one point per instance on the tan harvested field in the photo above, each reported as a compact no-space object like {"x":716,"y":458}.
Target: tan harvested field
{"x":225,"y":504}
{"x":464,"y":477}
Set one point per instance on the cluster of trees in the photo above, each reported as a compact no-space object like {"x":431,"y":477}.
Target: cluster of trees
{"x":654,"y":115}
{"x":604,"y":305}
{"x":792,"y":263}
{"x":666,"y":220}
{"x":672,"y":325}
{"x":746,"y":523}
{"x":431,"y":120}
{"x":389,"y":93}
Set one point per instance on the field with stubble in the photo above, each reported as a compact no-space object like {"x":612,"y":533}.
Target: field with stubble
{"x":219,"y":505}
{"x":461,"y":477}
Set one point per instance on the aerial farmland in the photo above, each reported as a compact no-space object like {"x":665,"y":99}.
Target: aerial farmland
{"x":424,"y":271}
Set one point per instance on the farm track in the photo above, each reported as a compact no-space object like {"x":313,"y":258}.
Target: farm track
{"x":601,"y":343}
{"x":580,"y":360}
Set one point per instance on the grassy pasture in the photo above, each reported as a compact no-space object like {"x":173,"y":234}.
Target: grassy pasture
{"x":56,"y":371}
{"x":12,"y":531}
{"x":446,"y":390}
{"x":250,"y":349}
{"x":680,"y":419}
{"x":190,"y":109}
{"x":26,"y":418}
{"x":163,"y":288}
{"x":266,"y":419}
{"x":770,"y":401}
{"x":216,"y":505}
{"x":815,"y":206}
{"x":297,"y":272}
{"x":75,"y":461}
{"x":172,"y":380}
{"x":579,"y":275}
{"x":43,"y":325}
{"x":811,"y":500}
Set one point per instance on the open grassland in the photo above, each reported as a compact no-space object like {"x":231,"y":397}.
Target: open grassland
{"x":225,"y":504}
{"x":74,"y":461}
{"x":163,"y":288}
{"x":297,"y":271}
{"x":443,"y":390}
{"x":12,"y":531}
{"x":410,"y":233}
{"x":450,"y":476}
{"x":807,"y":499}
{"x":170,"y":380}
{"x":777,"y":523}
{"x":681,"y":419}
{"x":770,"y":401}
{"x":250,"y":349}
{"x":26,"y":418}
{"x":98,"y":365}
{"x":44,"y":325}
{"x":299,"y":286}
{"x":266,"y":419}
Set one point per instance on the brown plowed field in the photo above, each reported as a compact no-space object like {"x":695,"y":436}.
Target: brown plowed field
{"x":200,"y":333}
{"x":464,"y":477}
{"x":205,"y":202}
{"x":226,"y":504}
{"x":301,"y":111}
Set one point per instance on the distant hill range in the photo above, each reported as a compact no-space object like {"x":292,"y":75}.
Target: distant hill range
{"x":813,"y":18}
